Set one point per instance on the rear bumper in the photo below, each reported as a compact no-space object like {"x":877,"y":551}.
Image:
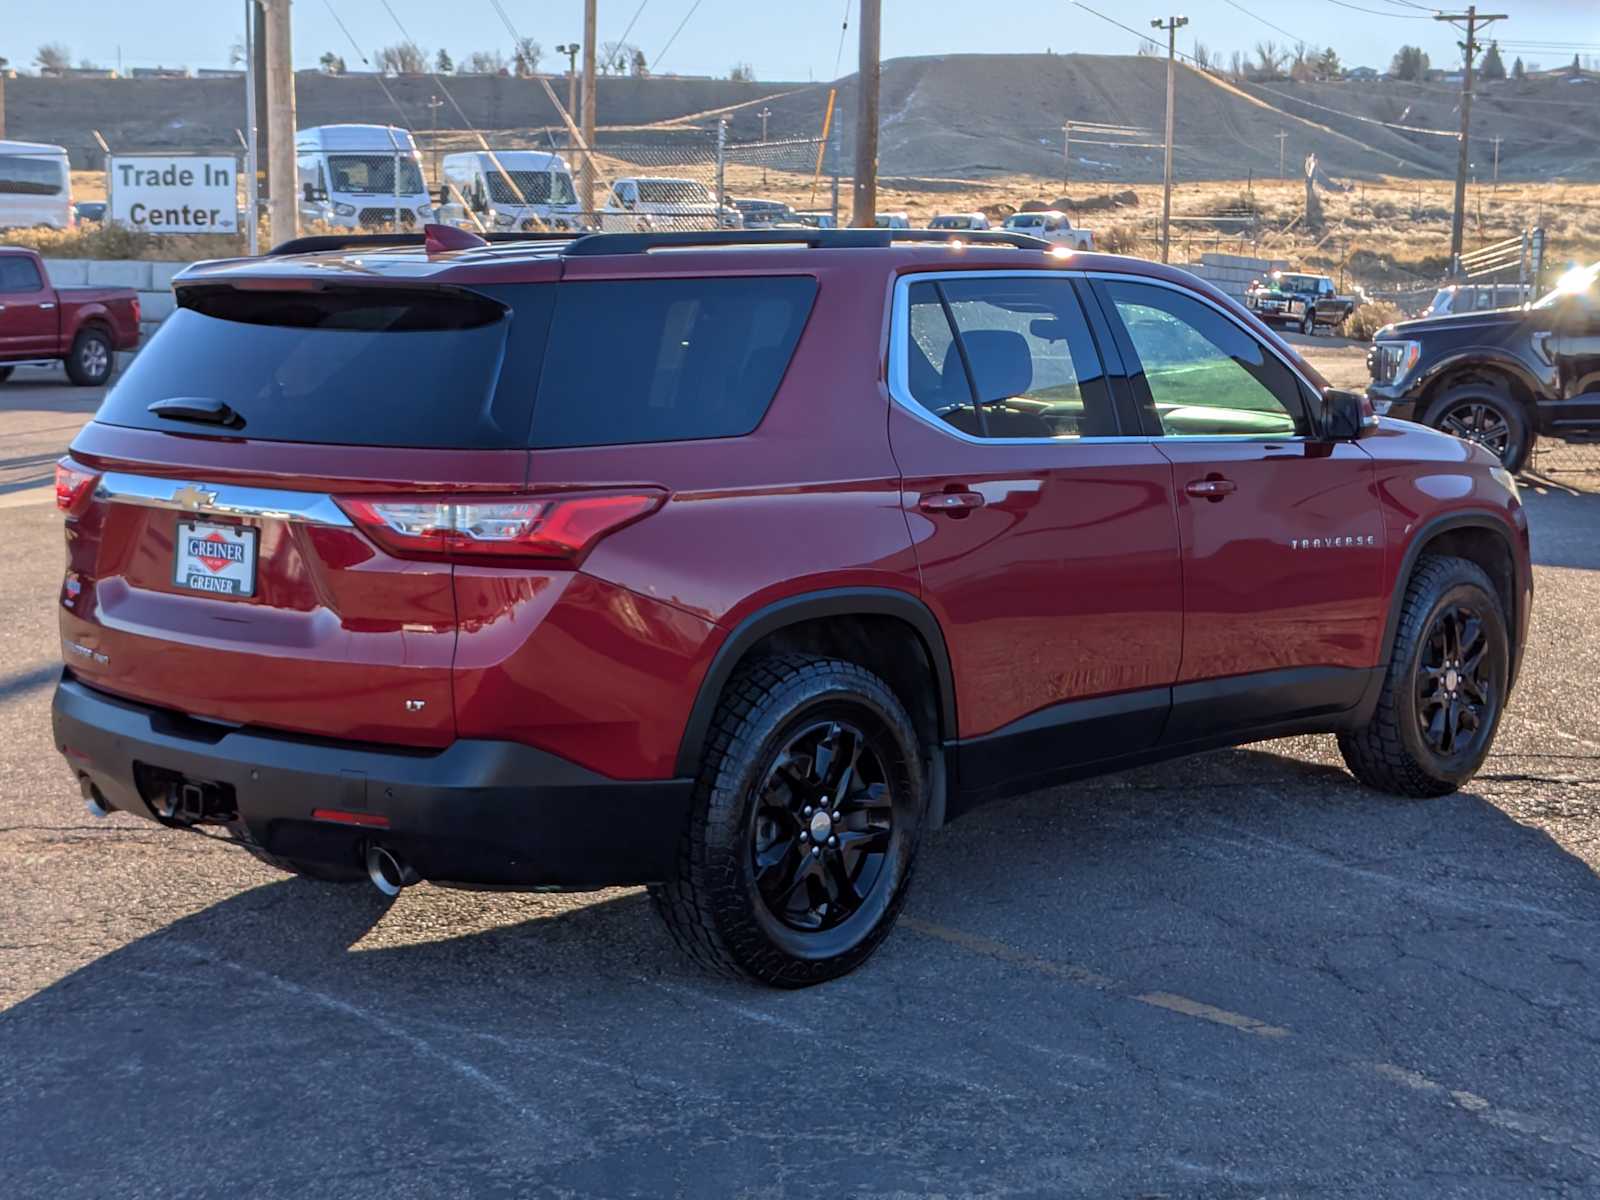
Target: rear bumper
{"x":478,"y":812}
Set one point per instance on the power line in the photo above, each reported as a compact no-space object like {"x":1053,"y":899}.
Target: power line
{"x":632,"y":23}
{"x":1449,"y":133}
{"x":1267,"y":23}
{"x":405,"y":122}
{"x":844,"y":28}
{"x":1380,"y":12}
{"x":675,"y":33}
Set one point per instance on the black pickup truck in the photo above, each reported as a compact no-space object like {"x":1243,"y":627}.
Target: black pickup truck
{"x":1499,"y":377}
{"x":1301,"y":301}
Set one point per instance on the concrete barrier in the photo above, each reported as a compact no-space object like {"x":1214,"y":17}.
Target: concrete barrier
{"x":1232,"y":273}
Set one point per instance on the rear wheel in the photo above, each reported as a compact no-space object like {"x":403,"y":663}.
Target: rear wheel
{"x":1308,"y":322}
{"x":1484,"y":412}
{"x":804,"y":827}
{"x":90,"y":361}
{"x":5,"y":373}
{"x":1445,"y":686}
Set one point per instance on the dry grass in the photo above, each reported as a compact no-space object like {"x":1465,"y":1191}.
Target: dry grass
{"x":1369,"y":318}
{"x":1388,"y":233}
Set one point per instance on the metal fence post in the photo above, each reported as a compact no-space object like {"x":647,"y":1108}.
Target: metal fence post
{"x":722,"y":163}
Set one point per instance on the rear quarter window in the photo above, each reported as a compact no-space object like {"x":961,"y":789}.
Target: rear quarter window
{"x":666,"y":360}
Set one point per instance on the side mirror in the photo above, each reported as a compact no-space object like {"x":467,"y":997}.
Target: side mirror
{"x":309,"y":191}
{"x":1347,"y":416}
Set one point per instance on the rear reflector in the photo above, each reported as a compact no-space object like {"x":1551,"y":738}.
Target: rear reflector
{"x":74,"y":486}
{"x":559,"y":529}
{"x":340,"y":817}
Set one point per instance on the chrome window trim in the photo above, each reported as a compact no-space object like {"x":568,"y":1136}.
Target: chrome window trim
{"x":899,"y":358}
{"x":230,"y":500}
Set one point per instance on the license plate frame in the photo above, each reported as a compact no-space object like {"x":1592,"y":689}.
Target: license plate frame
{"x":215,"y":559}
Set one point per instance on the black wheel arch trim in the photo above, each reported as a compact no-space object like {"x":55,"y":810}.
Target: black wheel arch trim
{"x":812,"y":606}
{"x":1444,"y":523}
{"x":1487,"y":357}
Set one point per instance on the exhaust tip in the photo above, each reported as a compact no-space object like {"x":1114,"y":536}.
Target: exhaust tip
{"x":93,"y":801}
{"x":387,"y":872}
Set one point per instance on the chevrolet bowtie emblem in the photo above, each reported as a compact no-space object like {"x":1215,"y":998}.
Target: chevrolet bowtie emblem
{"x":192,"y":496}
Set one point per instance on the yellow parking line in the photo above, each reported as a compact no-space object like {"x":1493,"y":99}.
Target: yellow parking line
{"x":1210,"y":1012}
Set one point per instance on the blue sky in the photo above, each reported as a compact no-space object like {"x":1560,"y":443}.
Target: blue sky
{"x":782,"y":39}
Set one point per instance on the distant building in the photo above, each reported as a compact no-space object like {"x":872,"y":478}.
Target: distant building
{"x":1361,"y":73}
{"x":219,"y":73}
{"x":159,"y":73}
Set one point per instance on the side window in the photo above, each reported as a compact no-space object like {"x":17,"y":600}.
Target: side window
{"x":700,"y":358}
{"x":18,"y":274}
{"x":1206,"y":376}
{"x":1035,"y":372}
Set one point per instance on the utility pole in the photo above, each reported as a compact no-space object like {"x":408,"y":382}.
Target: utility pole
{"x":764,"y":114}
{"x":252,"y":203}
{"x":1497,"y":141}
{"x":258,"y":47}
{"x":1475,"y":20}
{"x":590,"y":24}
{"x":2,"y":104}
{"x":864,"y":210}
{"x":283,"y":208}
{"x":1283,"y":140}
{"x":570,"y":49}
{"x":1171,"y":25}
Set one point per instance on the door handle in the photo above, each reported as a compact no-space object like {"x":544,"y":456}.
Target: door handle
{"x":958,"y":503}
{"x":48,"y":304}
{"x":1210,"y":489}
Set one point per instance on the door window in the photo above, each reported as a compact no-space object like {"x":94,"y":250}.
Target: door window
{"x":18,"y":274}
{"x":1018,"y":362}
{"x":1205,"y":376}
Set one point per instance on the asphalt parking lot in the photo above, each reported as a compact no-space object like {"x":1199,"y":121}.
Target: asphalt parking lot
{"x":1238,"y":976}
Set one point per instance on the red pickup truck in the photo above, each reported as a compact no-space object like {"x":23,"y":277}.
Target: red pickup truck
{"x":80,"y":326}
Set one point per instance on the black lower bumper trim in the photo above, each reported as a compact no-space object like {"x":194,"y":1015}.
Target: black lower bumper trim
{"x":477,"y":812}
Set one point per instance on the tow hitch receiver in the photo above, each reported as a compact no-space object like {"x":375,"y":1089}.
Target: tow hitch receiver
{"x":182,"y":801}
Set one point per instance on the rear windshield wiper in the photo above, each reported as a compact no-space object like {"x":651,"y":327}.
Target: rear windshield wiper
{"x":197,"y":408}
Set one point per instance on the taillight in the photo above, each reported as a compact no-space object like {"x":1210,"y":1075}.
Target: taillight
{"x":558,"y":529}
{"x":74,"y":486}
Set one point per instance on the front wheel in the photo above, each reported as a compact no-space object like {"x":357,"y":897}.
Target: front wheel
{"x":1444,"y":689}
{"x":90,"y":360}
{"x":804,"y":826}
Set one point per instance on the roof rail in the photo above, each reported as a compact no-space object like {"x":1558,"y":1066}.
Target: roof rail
{"x":586,"y":244}
{"x":817,"y":239}
{"x":318,"y":243}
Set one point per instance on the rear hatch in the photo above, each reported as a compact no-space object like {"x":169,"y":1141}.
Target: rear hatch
{"x":259,"y":518}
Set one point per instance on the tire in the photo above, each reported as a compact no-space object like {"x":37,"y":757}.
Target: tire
{"x":1308,"y":323}
{"x":91,"y":360}
{"x":1395,"y":751}
{"x":771,"y":889}
{"x":5,"y":373}
{"x":322,"y":872}
{"x":1484,"y":412}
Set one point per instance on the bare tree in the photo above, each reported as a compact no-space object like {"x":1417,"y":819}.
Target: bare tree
{"x":1236,"y":65}
{"x":1202,"y":56}
{"x":1269,"y":60}
{"x":1148,"y":49}
{"x":640,"y":69}
{"x":614,"y":58}
{"x":331,"y":63}
{"x":52,"y":58}
{"x":483,"y":62}
{"x":742,"y":73}
{"x":526,"y":58}
{"x":403,"y":58}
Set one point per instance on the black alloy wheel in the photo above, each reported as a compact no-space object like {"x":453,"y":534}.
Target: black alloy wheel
{"x":1481,"y":422}
{"x":824,"y":821}
{"x":1455,"y":688}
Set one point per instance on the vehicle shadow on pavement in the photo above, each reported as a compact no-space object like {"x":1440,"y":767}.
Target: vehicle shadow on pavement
{"x":565,"y":1043}
{"x":1563,"y":514}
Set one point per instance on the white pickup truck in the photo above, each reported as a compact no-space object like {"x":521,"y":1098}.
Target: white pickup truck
{"x":653,"y":204}
{"x":1052,"y":226}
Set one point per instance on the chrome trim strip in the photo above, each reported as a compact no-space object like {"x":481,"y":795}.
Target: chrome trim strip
{"x":220,"y":499}
{"x":899,"y":334}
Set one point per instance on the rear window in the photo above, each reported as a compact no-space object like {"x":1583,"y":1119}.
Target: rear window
{"x":663,"y":360}
{"x":355,"y":366}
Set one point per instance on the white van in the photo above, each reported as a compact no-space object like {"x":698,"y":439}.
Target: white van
{"x":644,"y":203}
{"x":352,"y":176}
{"x":508,"y":189}
{"x":35,"y":186}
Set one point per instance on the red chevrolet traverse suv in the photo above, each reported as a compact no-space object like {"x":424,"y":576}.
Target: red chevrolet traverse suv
{"x":733,"y":563}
